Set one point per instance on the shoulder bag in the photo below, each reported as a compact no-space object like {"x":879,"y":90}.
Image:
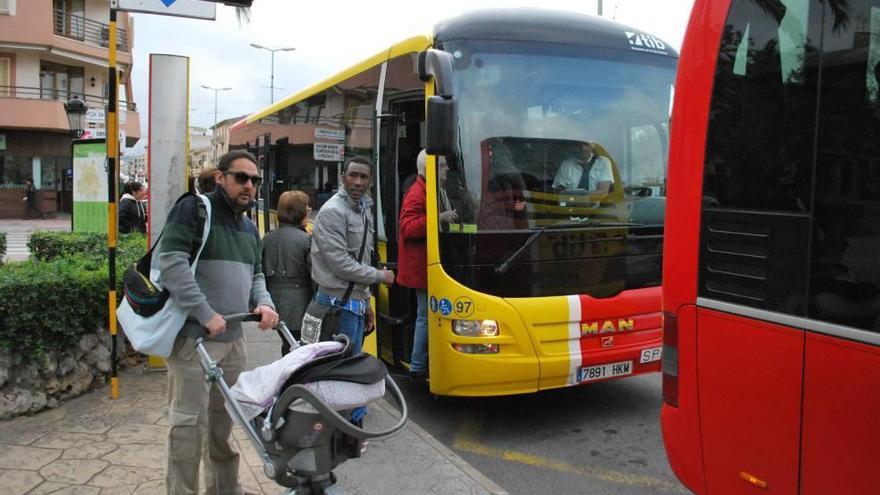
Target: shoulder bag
{"x":150,"y":318}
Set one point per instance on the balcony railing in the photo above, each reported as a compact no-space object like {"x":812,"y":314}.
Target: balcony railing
{"x":31,"y":93}
{"x":77,"y":27}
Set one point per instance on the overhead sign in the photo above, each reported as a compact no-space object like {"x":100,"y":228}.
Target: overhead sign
{"x":334,"y":134}
{"x":179,"y":8}
{"x":329,"y":152}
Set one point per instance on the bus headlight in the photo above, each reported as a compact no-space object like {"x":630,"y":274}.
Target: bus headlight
{"x":475,"y":328}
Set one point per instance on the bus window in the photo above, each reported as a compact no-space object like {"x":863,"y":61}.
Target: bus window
{"x":546,"y":145}
{"x":312,"y":138}
{"x":759,"y":157}
{"x":844,"y":270}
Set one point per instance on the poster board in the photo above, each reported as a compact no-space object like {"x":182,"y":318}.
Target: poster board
{"x":89,"y":185}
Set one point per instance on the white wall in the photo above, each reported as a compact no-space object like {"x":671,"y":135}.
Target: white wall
{"x":98,"y":10}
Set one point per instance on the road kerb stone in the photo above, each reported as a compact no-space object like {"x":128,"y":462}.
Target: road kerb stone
{"x":481,"y":479}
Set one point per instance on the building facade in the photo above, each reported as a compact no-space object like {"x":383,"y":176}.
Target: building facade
{"x":200,"y":150}
{"x":50,"y":51}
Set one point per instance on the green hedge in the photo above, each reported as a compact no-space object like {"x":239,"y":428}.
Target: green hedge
{"x":2,"y":246}
{"x":48,"y":302}
{"x":46,"y":246}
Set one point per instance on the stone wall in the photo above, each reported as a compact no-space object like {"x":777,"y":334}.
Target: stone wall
{"x":58,"y":376}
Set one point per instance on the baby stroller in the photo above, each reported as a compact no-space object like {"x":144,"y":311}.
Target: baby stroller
{"x":301,"y":438}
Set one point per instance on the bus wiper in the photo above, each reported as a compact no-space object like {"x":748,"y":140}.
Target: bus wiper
{"x":502,"y":268}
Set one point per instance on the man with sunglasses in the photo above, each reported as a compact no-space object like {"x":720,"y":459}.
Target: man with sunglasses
{"x":228,"y":279}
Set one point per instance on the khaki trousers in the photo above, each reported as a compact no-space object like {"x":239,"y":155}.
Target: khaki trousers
{"x":198,"y":417}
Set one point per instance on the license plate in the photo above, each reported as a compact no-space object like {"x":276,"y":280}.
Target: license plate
{"x":650,"y":355}
{"x":592,"y":373}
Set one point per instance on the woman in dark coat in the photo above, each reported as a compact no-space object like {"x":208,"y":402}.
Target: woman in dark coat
{"x":132,"y":214}
{"x":286,"y":262}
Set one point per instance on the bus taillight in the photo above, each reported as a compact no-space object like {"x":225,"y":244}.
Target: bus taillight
{"x":670,"y":359}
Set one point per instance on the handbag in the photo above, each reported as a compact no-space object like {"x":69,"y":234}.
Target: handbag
{"x":150,"y":318}
{"x":145,"y":296}
{"x":321,"y":322}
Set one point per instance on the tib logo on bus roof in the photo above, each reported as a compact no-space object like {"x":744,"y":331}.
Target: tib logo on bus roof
{"x":607,"y":326}
{"x":645,"y":43}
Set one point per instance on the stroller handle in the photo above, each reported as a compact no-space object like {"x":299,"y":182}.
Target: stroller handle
{"x":298,"y":391}
{"x":251,"y":317}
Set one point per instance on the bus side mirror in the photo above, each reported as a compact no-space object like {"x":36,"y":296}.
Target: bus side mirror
{"x":442,"y":124}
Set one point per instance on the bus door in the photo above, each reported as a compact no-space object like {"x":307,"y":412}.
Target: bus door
{"x":842,"y":353}
{"x":401,"y":140}
{"x":754,"y":247}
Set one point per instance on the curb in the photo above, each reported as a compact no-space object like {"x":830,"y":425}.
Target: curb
{"x":472,"y":472}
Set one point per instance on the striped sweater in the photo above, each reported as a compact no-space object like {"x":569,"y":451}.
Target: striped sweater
{"x":229,"y":277}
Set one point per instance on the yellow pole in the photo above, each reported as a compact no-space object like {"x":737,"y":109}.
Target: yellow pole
{"x":112,"y":180}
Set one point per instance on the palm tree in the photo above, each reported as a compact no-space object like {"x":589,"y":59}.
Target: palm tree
{"x":243,"y":14}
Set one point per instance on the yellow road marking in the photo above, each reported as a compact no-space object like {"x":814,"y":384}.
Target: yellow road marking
{"x":466,"y":440}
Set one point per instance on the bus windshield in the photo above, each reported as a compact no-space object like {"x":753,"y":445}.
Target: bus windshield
{"x":554,"y":133}
{"x":568,"y":141}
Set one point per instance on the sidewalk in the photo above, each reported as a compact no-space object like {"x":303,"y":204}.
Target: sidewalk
{"x":95,"y":445}
{"x":19,"y":230}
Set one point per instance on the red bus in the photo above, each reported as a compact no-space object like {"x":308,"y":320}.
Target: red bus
{"x":771,"y":276}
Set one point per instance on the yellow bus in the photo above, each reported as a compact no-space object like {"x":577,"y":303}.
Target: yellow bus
{"x":538,"y":284}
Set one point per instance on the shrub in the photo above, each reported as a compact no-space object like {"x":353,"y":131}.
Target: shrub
{"x":48,"y":305}
{"x":2,"y":246}
{"x":46,"y":246}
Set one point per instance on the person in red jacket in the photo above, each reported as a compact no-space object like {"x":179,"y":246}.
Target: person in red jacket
{"x":413,"y":255}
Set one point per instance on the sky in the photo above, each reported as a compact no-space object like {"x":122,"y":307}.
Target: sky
{"x":327,"y":37}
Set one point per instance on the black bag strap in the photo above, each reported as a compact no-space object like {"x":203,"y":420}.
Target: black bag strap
{"x":143,"y":264}
{"x":359,"y":258}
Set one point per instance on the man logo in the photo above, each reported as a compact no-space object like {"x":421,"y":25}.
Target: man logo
{"x":607,"y":326}
{"x":645,"y":42}
{"x":608,"y":341}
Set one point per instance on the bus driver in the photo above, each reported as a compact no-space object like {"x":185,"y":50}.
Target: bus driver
{"x":589,"y":172}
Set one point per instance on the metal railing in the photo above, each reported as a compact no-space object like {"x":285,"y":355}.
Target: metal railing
{"x":77,"y":27}
{"x":30,"y":93}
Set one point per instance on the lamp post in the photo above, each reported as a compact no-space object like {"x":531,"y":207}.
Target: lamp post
{"x":214,"y":132}
{"x":272,"y":74}
{"x":76,"y":114}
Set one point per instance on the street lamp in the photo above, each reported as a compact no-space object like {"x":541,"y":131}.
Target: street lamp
{"x":214,"y":133}
{"x":76,"y":114}
{"x":272,"y":75}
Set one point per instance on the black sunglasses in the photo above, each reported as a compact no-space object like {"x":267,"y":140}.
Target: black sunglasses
{"x":242,"y":178}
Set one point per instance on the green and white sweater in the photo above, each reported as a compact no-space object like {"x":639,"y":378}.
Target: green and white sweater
{"x":229,"y":276}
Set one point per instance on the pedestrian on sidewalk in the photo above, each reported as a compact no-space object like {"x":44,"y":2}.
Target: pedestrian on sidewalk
{"x":342,"y":226}
{"x":30,"y":196}
{"x":229,"y":279}
{"x":132,"y":214}
{"x":287,"y":262}
{"x":413,"y":254}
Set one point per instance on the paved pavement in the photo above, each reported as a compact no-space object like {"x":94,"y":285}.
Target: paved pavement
{"x":93,"y":445}
{"x":18,"y":232}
